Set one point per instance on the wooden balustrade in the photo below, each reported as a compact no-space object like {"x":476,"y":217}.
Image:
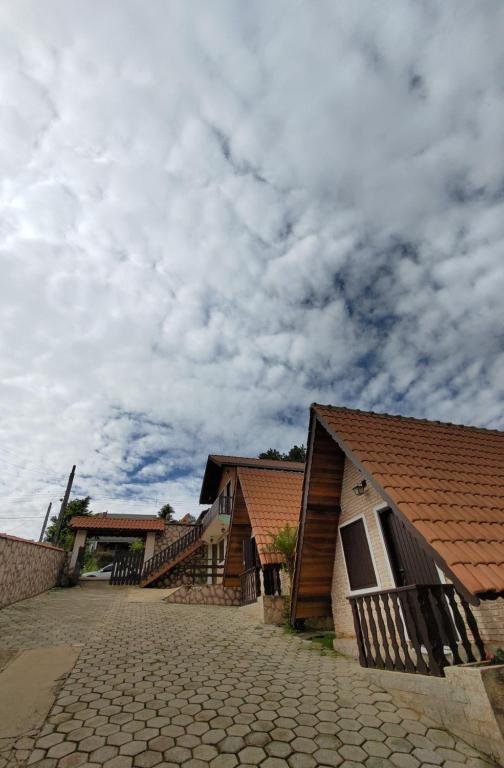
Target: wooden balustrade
{"x":171,"y":551}
{"x":416,"y":629}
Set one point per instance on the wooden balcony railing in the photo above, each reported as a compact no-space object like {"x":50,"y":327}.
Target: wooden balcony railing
{"x":250,"y":584}
{"x":221,"y":506}
{"x":418,"y":629}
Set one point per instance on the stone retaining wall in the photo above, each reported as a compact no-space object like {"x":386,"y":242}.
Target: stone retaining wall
{"x":172,"y":532}
{"x":27,"y":568}
{"x":211,"y":594}
{"x":178,"y":576}
{"x":468,"y":701}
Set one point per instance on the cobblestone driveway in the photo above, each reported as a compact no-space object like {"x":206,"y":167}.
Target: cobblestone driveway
{"x":168,"y":685}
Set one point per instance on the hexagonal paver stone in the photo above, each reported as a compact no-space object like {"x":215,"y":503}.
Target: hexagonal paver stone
{"x":376,"y":749}
{"x":232,"y":744}
{"x":251,"y":755}
{"x":275,"y":762}
{"x":74,"y":760}
{"x":50,"y":740}
{"x":282,"y":734}
{"x":121,"y":761}
{"x":224,"y":761}
{"x":133,"y":747}
{"x":205,"y":752}
{"x":428,"y":756}
{"x":213,"y":736}
{"x":118,"y":739}
{"x":148,"y":759}
{"x":402,"y":760}
{"x":257,"y":739}
{"x":91,"y":743}
{"x":298,"y":760}
{"x":327,"y":757}
{"x":308,"y":746}
{"x":352,"y":752}
{"x":161,"y":743}
{"x":177,"y":755}
{"x":60,"y":750}
{"x":278,"y":749}
{"x":103,"y":754}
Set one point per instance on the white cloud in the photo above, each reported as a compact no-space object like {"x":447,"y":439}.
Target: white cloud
{"x":211,"y":216}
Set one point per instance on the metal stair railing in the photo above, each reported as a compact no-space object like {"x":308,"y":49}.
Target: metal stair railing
{"x":170,"y":552}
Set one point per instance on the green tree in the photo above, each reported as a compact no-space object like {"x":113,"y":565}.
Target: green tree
{"x":272,"y":454}
{"x":167,"y":513}
{"x":296,"y":453}
{"x":66,"y":537}
{"x":136,"y":545}
{"x":283,"y":542}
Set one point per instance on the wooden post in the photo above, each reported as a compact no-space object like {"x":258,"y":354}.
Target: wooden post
{"x":64,"y":505}
{"x":45,"y":521}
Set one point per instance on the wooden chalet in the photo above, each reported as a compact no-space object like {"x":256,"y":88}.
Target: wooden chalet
{"x":401,"y":538}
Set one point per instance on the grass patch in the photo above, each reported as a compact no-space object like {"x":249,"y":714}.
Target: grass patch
{"x":325,"y":640}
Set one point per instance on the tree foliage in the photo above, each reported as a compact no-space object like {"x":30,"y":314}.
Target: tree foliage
{"x":166,"y":512}
{"x":136,"y":545}
{"x":66,"y":537}
{"x":296,"y":453}
{"x":283,"y":542}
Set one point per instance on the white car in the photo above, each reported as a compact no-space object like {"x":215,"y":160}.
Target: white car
{"x":103,"y":573}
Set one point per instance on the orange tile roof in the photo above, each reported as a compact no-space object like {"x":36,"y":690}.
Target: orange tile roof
{"x":446,"y":479}
{"x":273,"y":499}
{"x":216,"y":462}
{"x":93,"y":522}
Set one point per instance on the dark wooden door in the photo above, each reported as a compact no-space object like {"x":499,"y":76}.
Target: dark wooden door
{"x":409,"y":562}
{"x":250,"y":557}
{"x":413,"y":565}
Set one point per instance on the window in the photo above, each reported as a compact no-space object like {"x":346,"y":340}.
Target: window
{"x":359,"y":564}
{"x":221,"y":550}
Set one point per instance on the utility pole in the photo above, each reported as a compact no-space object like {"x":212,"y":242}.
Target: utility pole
{"x":45,"y":521}
{"x":64,"y":503}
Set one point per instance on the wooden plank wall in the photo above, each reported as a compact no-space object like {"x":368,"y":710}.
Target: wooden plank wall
{"x":318,"y":534}
{"x":239,"y":530}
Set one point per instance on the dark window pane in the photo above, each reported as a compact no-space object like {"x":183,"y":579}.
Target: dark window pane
{"x":360,"y":569}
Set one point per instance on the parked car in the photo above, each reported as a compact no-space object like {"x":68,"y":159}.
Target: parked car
{"x":103,"y":573}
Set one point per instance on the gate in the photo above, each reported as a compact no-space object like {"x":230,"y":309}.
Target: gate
{"x":127,"y":568}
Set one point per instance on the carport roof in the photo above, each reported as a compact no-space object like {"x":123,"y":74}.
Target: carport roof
{"x":106,"y":522}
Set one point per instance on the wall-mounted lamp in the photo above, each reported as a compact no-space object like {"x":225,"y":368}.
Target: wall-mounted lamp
{"x":360,"y":488}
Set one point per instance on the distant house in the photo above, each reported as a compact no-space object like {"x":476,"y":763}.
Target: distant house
{"x":219,"y":488}
{"x":266,"y":500}
{"x":172,"y":551}
{"x":401,"y":540}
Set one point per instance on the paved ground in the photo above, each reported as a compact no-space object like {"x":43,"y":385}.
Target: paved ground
{"x":167,"y":685}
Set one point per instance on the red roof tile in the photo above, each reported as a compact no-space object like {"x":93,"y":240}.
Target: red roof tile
{"x":93,"y":522}
{"x":273,"y":500}
{"x":446,"y":479}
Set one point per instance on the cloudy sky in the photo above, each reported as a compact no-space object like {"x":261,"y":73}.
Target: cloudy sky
{"x":213,"y":214}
